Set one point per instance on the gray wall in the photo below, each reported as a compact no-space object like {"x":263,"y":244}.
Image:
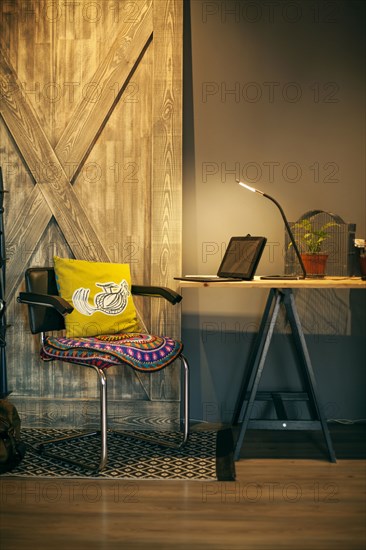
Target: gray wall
{"x":273,"y":94}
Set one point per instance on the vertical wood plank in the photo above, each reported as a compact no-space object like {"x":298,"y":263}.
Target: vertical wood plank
{"x":166,"y":202}
{"x":166,"y":196}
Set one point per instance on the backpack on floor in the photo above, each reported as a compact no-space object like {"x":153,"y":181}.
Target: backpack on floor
{"x":12,"y":449}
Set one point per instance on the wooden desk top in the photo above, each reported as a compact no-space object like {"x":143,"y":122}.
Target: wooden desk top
{"x":326,"y":282}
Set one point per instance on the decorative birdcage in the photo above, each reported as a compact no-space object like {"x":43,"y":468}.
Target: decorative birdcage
{"x":338,"y":245}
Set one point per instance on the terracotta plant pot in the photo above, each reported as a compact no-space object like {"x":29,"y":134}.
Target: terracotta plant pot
{"x":314,"y":264}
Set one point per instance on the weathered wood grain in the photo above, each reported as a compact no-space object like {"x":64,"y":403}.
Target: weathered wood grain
{"x":80,"y":115}
{"x":166,"y":197}
{"x":116,"y":68}
{"x":46,"y":170}
{"x":166,"y":153}
{"x":82,"y":130}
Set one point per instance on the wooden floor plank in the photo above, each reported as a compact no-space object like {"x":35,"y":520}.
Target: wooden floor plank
{"x":275,"y":503}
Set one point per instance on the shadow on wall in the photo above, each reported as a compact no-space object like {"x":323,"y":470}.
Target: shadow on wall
{"x":219,"y":350}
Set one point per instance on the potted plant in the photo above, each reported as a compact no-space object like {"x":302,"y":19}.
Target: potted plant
{"x":310,"y":240}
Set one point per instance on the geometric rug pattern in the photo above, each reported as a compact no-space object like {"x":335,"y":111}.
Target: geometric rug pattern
{"x":206,"y":456}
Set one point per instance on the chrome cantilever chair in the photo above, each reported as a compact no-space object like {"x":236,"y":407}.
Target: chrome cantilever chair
{"x":46,"y":313}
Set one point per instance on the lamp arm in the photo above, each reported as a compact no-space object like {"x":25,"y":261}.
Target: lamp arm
{"x":289,"y":231}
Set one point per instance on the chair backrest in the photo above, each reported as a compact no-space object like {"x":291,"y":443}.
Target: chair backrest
{"x":42,"y":280}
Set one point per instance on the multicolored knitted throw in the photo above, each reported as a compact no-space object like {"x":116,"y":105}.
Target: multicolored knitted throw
{"x":143,"y":352}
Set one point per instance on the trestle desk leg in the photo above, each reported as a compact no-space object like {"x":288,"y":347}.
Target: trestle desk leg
{"x":256,"y":369}
{"x":310,"y":381}
{"x":253,"y":360}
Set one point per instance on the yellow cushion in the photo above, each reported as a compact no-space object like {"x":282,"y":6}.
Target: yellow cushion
{"x":100,"y":294}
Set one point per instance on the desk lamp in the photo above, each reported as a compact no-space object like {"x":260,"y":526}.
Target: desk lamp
{"x":288,"y":229}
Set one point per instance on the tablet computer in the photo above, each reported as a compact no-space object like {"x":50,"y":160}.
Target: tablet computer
{"x":240,"y":261}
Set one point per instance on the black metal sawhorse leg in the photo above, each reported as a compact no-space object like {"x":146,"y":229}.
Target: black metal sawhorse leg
{"x":249,"y":391}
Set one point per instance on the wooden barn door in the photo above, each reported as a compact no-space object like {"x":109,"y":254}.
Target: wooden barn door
{"x":90,"y":126}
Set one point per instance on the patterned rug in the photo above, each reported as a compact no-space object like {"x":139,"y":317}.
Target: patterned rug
{"x":206,"y":456}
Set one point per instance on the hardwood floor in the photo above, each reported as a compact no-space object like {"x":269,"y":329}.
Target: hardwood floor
{"x":275,"y":503}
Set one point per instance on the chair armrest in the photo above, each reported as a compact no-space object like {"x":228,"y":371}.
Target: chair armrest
{"x":45,"y":300}
{"x":157,"y":292}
